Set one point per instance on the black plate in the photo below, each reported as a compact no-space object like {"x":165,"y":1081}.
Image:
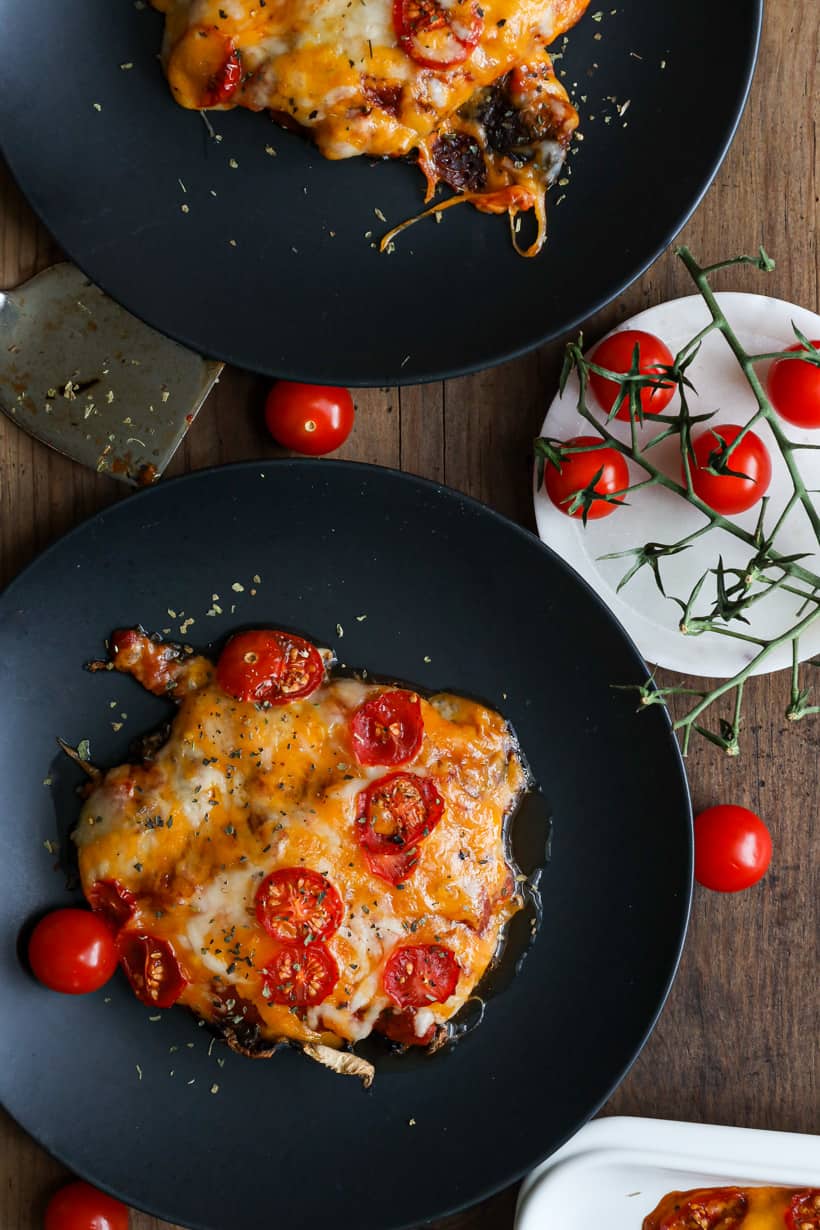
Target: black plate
{"x":498,"y":615}
{"x":292,"y":301}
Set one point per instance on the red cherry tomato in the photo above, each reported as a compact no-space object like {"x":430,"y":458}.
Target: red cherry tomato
{"x":733,"y":848}
{"x":419,"y":974}
{"x":224,"y":81}
{"x":793,"y":386}
{"x":388,"y":728}
{"x":615,"y":354}
{"x":579,"y":469}
{"x":300,"y":976}
{"x":803,"y":1212}
{"x":436,"y":35}
{"x":393,"y":868}
{"x":397,"y":811}
{"x":272,"y":667}
{"x":309,"y":418}
{"x":295,"y":903}
{"x":155,"y":975}
{"x":112,"y":902}
{"x":72,"y":951}
{"x":729,"y":493}
{"x":721,"y":1208}
{"x":401,"y":1027}
{"x":79,"y":1206}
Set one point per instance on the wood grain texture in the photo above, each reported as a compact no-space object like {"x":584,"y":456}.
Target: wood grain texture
{"x":737,"y":1042}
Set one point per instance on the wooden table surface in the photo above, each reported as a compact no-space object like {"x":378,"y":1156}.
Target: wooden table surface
{"x":738,"y":1040}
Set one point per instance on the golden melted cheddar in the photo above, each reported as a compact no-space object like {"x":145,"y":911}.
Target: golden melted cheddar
{"x":738,"y":1208}
{"x":466,"y":85}
{"x":241,"y":790}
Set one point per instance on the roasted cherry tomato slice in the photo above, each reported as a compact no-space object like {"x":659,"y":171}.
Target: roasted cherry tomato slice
{"x":578,"y":470}
{"x":749,"y":463}
{"x":309,"y":418}
{"x":155,"y":975}
{"x":296,"y":903}
{"x":79,"y":1206}
{"x":388,"y":728}
{"x":721,"y":1208}
{"x":733,"y":848}
{"x":419,"y":974}
{"x":269,"y":667}
{"x":393,"y":868}
{"x":299,"y":976}
{"x":435,"y":35}
{"x":803,"y":1212}
{"x":72,"y":951}
{"x":615,"y":353}
{"x":401,"y":1027}
{"x":397,"y":811}
{"x":204,"y":68}
{"x":793,"y":386}
{"x":113,"y":902}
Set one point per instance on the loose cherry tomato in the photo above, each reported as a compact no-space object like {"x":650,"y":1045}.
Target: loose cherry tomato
{"x":793,"y":386}
{"x":155,"y":975}
{"x":615,"y":354}
{"x":721,"y":1208}
{"x":295,"y":903}
{"x":309,"y":418}
{"x":578,"y":470}
{"x":436,"y":35}
{"x":397,"y":811}
{"x":401,"y":1027}
{"x":268,"y":666}
{"x":300,"y":976}
{"x":803,"y":1212}
{"x":113,"y":902}
{"x":419,"y":974}
{"x":72,"y":951}
{"x":388,"y":728}
{"x":393,"y":868}
{"x":79,"y":1206}
{"x":733,"y":848}
{"x":730,"y":493}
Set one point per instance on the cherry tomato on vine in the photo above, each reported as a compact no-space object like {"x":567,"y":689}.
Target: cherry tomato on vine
{"x":749,"y":461}
{"x":579,"y":469}
{"x":309,"y":418}
{"x":733,"y":848}
{"x":615,"y":354}
{"x":79,"y":1206}
{"x":72,"y":951}
{"x":793,"y":386}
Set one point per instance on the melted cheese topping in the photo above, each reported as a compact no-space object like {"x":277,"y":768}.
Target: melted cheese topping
{"x":765,"y":1207}
{"x":238,"y":791}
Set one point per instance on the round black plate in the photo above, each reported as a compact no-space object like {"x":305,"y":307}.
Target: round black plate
{"x":455,"y":597}
{"x":292,"y":299}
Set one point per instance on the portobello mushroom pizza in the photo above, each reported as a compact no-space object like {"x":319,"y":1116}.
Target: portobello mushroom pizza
{"x":465,"y":86}
{"x":303,"y":858}
{"x":738,"y":1208}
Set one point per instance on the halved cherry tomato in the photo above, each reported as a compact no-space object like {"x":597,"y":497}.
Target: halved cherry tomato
{"x":225,"y":82}
{"x":204,"y":68}
{"x":578,"y":470}
{"x":269,"y":667}
{"x":300,"y":976}
{"x":401,"y":1027}
{"x":803,"y":1212}
{"x":72,"y":951}
{"x":749,"y":461}
{"x":155,"y":975}
{"x":436,"y":35}
{"x":615,"y":354}
{"x":793,"y":386}
{"x":419,"y":974}
{"x":79,"y":1206}
{"x":397,"y":811}
{"x":388,"y":728}
{"x":733,"y":848}
{"x":113,"y":902}
{"x":721,"y":1208}
{"x":394,"y":868}
{"x":295,"y":903}
{"x":309,"y":418}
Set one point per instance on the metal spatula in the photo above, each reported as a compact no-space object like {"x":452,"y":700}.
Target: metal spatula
{"x":86,"y":377}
